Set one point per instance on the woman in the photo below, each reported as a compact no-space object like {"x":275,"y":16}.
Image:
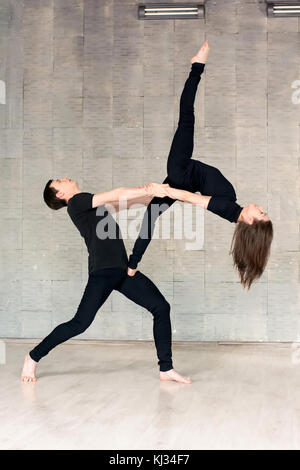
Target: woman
{"x":253,"y":234}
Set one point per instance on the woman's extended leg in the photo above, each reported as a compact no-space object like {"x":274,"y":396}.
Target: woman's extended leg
{"x":183,"y":141}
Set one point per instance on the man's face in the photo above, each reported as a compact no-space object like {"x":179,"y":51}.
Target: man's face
{"x":65,"y":187}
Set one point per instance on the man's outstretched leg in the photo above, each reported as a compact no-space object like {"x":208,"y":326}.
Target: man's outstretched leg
{"x":141,"y":290}
{"x":183,"y":141}
{"x":98,"y":288}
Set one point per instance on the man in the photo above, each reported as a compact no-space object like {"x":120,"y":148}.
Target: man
{"x":107,"y":266}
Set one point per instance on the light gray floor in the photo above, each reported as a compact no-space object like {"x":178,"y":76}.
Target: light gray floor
{"x":108,"y":396}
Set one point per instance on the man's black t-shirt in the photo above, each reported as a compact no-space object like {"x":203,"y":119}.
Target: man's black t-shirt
{"x":100,"y":231}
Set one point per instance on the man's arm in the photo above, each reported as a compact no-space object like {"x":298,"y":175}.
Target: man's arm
{"x":124,"y":194}
{"x":117,"y":206}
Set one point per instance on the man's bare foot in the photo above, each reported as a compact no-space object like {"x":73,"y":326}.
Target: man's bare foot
{"x":202,"y":54}
{"x":28,"y":372}
{"x":173,"y":375}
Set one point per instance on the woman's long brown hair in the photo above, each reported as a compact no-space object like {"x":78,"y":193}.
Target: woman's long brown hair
{"x":250,"y":248}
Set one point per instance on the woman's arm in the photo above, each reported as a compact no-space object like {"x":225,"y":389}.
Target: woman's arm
{"x":186,"y":196}
{"x":151,"y":216}
{"x":222,"y":206}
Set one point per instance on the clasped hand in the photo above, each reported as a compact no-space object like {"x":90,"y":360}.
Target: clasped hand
{"x":158,"y":190}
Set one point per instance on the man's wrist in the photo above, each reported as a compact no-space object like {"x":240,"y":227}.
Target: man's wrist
{"x":146,"y":191}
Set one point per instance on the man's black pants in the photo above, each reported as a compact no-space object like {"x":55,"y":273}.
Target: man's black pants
{"x":139,"y":288}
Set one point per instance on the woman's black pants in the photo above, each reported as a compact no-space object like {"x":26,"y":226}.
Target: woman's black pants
{"x":181,"y":150}
{"x":139,"y":288}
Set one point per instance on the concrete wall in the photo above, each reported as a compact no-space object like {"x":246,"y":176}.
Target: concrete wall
{"x":93,"y":93}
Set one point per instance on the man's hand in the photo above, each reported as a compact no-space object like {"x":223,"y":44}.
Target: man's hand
{"x":156,"y":189}
{"x":131,"y":272}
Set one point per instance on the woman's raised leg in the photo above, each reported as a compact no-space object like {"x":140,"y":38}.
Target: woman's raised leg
{"x":183,"y":141}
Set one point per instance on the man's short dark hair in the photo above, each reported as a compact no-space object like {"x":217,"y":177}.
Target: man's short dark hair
{"x":50,"y":197}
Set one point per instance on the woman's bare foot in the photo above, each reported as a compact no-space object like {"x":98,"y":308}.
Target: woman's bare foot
{"x":28,"y":372}
{"x":173,"y":375}
{"x":202,"y":54}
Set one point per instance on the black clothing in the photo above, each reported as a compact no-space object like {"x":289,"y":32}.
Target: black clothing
{"x":108,"y":271}
{"x":186,"y":173}
{"x":138,"y":288}
{"x":103,"y":252}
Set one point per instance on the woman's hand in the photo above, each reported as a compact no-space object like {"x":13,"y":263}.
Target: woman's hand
{"x":131,"y":272}
{"x":156,"y":189}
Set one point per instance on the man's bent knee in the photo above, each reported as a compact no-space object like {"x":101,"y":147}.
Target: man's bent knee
{"x":162,"y":308}
{"x":77,"y":327}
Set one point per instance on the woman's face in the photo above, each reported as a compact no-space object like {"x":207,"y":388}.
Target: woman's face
{"x":255,"y":212}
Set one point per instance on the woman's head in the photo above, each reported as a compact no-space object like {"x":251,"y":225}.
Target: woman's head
{"x":250,"y":249}
{"x":253,"y":212}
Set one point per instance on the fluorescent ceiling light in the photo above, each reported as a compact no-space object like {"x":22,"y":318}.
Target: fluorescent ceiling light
{"x":279,"y":9}
{"x":158,"y":11}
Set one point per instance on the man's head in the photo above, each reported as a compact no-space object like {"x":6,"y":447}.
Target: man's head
{"x":58,"y":192}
